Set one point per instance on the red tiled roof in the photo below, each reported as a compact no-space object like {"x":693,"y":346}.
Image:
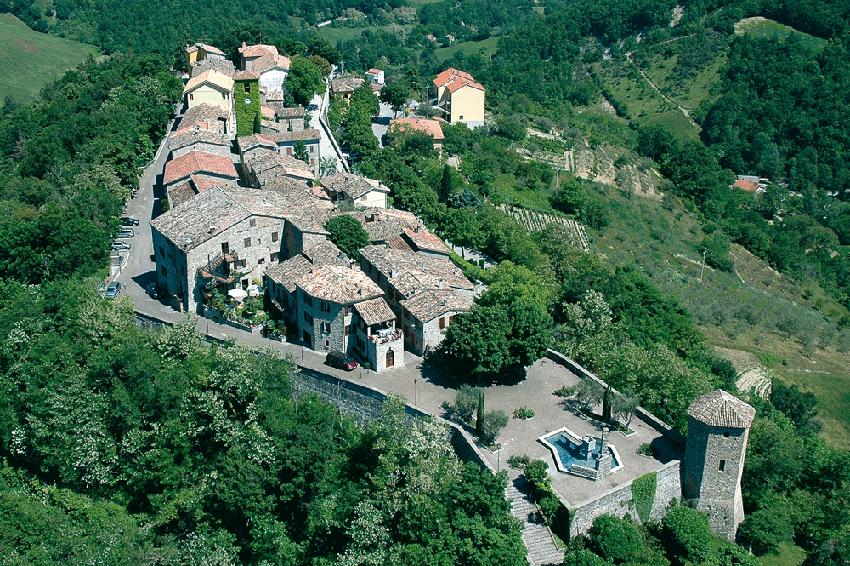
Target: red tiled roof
{"x":449,"y":74}
{"x":373,"y":72}
{"x":245,"y":76}
{"x":425,"y":125}
{"x":267,"y":62}
{"x":205,"y":47}
{"x":748,"y":186}
{"x":459,"y":82}
{"x":258,"y":50}
{"x":213,"y":77}
{"x":203,"y":183}
{"x":423,"y":239}
{"x":197,"y":162}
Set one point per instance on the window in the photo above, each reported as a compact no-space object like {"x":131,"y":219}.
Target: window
{"x":225,"y":248}
{"x":722,"y":465}
{"x":307,"y":318}
{"x":247,"y":242}
{"x":325,"y":327}
{"x":261,"y":261}
{"x":348,"y":330}
{"x":273,"y":257}
{"x":308,"y":300}
{"x":252,"y":223}
{"x":242,"y":263}
{"x":726,"y":434}
{"x":191,"y":96}
{"x":274,"y":236}
{"x":325,"y":306}
{"x":442,"y":323}
{"x":248,"y":87}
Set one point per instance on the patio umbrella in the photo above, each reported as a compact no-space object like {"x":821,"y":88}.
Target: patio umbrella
{"x":238,"y":294}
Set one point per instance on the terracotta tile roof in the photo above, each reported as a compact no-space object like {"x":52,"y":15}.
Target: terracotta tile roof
{"x":203,"y":183}
{"x":748,"y":186}
{"x":180,"y":193}
{"x":425,"y":125}
{"x":185,"y":137}
{"x":289,"y":272}
{"x":206,"y":47}
{"x":198,"y":162}
{"x":268,"y":62}
{"x":423,"y":240}
{"x":428,"y":305}
{"x":220,"y":65}
{"x":374,"y":311}
{"x":308,"y":135}
{"x":282,"y":111}
{"x":374,"y":72}
{"x":410,"y":272}
{"x":450,"y":74}
{"x":346,"y":84}
{"x":268,"y":164}
{"x":461,"y":82}
{"x":248,"y":143}
{"x":267,"y":112}
{"x":354,"y":186}
{"x":246,"y":76}
{"x":212,"y":77}
{"x":385,"y":224}
{"x":204,"y":116}
{"x":338,"y":284}
{"x":258,"y":50}
{"x":719,"y":408}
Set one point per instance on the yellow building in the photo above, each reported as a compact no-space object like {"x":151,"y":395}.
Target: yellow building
{"x":201,"y":51}
{"x":460,"y":98}
{"x":213,"y":88}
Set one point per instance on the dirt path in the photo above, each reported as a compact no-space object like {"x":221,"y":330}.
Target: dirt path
{"x":672,"y":102}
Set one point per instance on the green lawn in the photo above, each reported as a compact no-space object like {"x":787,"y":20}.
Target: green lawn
{"x":334,"y":34}
{"x":763,"y":27}
{"x":29,"y":59}
{"x":487,"y":46}
{"x":788,"y":555}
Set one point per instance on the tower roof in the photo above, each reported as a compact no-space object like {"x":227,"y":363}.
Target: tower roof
{"x":719,"y":408}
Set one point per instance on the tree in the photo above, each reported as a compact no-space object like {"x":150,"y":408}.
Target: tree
{"x":327,"y":166}
{"x":618,"y":540}
{"x":491,"y":425}
{"x":395,"y":94}
{"x":301,"y":151}
{"x":348,"y":235}
{"x":686,"y":535}
{"x":583,"y":557}
{"x":801,"y":407}
{"x":466,"y":401}
{"x":318,"y":45}
{"x":446,"y":184}
{"x":768,"y":527}
{"x":304,"y":80}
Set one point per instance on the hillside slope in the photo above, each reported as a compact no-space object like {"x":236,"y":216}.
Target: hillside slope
{"x":29,"y":59}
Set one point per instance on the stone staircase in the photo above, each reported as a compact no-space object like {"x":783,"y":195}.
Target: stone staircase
{"x":536,"y":536}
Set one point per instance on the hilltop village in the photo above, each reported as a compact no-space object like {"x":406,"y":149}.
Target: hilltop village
{"x":251,"y":186}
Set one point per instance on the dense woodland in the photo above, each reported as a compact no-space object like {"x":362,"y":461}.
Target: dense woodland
{"x":157,"y":478}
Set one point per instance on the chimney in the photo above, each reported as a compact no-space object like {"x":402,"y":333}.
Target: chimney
{"x":244,"y":45}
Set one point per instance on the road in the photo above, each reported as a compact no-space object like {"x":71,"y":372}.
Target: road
{"x":318,"y":120}
{"x":381,"y":122}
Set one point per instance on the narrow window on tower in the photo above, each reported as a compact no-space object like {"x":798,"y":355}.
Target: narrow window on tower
{"x":722,"y":465}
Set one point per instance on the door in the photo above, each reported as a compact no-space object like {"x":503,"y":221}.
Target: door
{"x":390,"y":358}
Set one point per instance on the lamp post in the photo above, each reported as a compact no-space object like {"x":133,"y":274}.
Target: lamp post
{"x":415,"y":380}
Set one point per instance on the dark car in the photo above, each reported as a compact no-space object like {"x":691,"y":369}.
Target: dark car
{"x":129,"y":221}
{"x":341,"y":361}
{"x":112,"y":290}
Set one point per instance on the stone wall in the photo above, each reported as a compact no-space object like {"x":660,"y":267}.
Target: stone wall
{"x":618,"y":501}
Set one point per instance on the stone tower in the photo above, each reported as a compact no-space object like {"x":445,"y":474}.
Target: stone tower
{"x":718,"y":428}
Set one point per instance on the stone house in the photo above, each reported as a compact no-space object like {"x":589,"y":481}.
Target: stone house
{"x":246,"y":102}
{"x":248,"y":54}
{"x":377,"y":339}
{"x":213,"y":88}
{"x":272,"y":71}
{"x":289,"y":119}
{"x":288,"y":141}
{"x":355,"y":190}
{"x":206,"y":117}
{"x":193,"y":138}
{"x":261,"y":163}
{"x":194,"y":172}
{"x":201,"y":52}
{"x":224,"y":235}
{"x":459,"y":98}
{"x":344,"y":87}
{"x":428,"y":126}
{"x":426,"y":291}
{"x":220,"y":65}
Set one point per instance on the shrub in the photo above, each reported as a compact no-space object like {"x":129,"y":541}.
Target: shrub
{"x":348,"y":235}
{"x":491,"y":424}
{"x":583,"y":557}
{"x":524,"y":413}
{"x":686,"y":534}
{"x":466,"y":401}
{"x":643,"y":494}
{"x":616,"y":539}
{"x":645,"y":449}
{"x":518,"y":461}
{"x":565,"y":391}
{"x":716,"y":248}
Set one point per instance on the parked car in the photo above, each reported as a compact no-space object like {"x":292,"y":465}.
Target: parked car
{"x":152,"y":290}
{"x":340,"y":360}
{"x":112,"y":290}
{"x":129,"y":221}
{"x":126,"y":233}
{"x":120,"y":247}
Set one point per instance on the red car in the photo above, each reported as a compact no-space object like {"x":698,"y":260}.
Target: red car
{"x":340,"y":360}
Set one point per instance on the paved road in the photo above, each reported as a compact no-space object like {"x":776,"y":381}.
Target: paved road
{"x":327,"y":147}
{"x":381,"y":123}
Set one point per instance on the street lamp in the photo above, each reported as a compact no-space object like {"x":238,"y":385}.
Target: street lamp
{"x":415,"y":381}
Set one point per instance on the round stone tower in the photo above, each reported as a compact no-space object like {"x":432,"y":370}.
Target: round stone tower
{"x":718,"y":428}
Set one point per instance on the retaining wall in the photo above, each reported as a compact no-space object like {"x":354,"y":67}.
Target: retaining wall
{"x":618,"y":501}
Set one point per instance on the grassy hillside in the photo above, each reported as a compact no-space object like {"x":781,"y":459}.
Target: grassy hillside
{"x":29,"y":60}
{"x":485,"y":47}
{"x":764,"y":27}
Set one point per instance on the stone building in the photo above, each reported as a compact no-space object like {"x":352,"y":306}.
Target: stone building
{"x":225,"y":235}
{"x":272,"y":71}
{"x":194,"y":138}
{"x":246,"y":102}
{"x":425,"y":291}
{"x":206,"y":117}
{"x":202,"y":52}
{"x":344,"y":87}
{"x":261,"y":163}
{"x":288,"y":142}
{"x":248,"y":54}
{"x":355,"y":190}
{"x":718,"y":429}
{"x":289,"y":118}
{"x":194,"y":172}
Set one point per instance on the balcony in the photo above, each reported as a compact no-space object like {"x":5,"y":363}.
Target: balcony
{"x":386,"y":336}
